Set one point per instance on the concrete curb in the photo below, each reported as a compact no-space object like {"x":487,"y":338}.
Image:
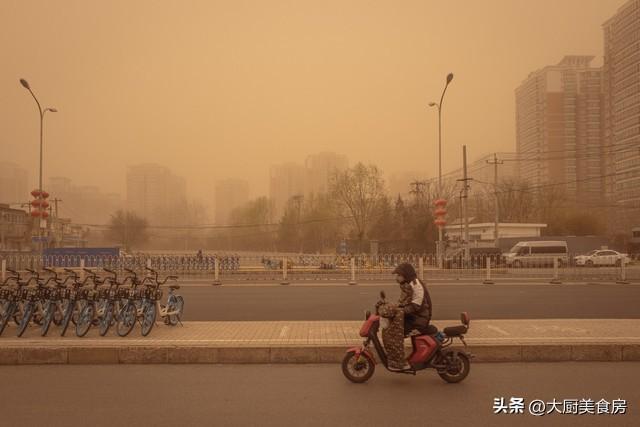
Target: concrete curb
{"x":164,"y":354}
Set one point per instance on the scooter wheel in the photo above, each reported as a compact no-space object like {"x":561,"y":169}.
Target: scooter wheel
{"x":457,"y":366}
{"x":357,"y":369}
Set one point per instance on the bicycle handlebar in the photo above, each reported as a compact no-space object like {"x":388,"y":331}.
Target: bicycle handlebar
{"x":50,"y":270}
{"x":130,"y":271}
{"x":109,"y":271}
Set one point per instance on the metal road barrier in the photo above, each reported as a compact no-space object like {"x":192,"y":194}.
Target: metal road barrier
{"x":293,"y":268}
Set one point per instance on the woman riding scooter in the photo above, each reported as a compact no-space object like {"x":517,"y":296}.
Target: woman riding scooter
{"x":413,"y":312}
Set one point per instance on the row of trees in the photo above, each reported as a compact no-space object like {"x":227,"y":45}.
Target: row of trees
{"x":358,"y":208}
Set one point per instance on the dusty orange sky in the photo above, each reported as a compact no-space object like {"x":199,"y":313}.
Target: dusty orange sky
{"x":217,"y":89}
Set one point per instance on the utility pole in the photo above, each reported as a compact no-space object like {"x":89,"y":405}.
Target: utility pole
{"x":417,"y":189}
{"x":495,"y":164}
{"x":465,"y":190}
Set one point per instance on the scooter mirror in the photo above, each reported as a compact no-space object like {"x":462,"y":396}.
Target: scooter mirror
{"x":382,"y":295}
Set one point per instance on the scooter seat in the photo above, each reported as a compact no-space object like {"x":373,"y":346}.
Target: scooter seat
{"x":454,"y":331}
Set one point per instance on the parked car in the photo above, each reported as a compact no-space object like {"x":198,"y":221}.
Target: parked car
{"x":602,"y":257}
{"x":537,"y":254}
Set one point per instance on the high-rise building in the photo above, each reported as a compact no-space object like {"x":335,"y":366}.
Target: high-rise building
{"x":13,"y":184}
{"x":622,"y":112}
{"x":230,"y":194}
{"x":321,"y":168}
{"x":81,"y":204}
{"x":559,"y":128}
{"x":285,"y":181}
{"x":154,"y":193}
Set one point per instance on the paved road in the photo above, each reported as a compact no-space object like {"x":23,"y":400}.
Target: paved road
{"x":310,"y":395}
{"x":342,"y":302}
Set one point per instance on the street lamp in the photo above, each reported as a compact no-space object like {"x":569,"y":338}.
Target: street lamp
{"x":42,"y":112}
{"x":439,"y":105}
{"x":24,"y":83}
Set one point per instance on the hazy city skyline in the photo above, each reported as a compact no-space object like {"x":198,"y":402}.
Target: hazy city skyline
{"x":223,"y":90}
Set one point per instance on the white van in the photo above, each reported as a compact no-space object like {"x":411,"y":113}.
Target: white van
{"x":537,"y":254}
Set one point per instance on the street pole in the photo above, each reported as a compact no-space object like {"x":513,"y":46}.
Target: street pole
{"x":495,"y":164}
{"x":466,"y":202}
{"x":42,"y":112}
{"x":440,"y":249}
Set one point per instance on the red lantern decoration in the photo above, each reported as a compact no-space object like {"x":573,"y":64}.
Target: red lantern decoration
{"x":35,"y":213}
{"x":440,"y":222}
{"x":45,"y":214}
{"x":36,"y":193}
{"x":44,"y":194}
{"x":440,"y":203}
{"x":441,"y":212}
{"x":40,"y":202}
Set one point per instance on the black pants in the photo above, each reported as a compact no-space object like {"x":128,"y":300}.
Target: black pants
{"x":412,"y":322}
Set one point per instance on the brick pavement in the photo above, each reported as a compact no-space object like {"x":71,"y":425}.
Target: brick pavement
{"x":321,"y":341}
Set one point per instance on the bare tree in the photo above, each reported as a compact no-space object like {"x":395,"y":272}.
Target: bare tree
{"x":127,"y":229}
{"x":360,"y":190}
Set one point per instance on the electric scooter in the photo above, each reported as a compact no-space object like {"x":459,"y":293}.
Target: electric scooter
{"x":431,"y":349}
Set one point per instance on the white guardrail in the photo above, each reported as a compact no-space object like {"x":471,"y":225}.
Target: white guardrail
{"x":347,"y":268}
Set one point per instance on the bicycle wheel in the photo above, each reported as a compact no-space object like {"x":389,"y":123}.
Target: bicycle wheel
{"x":47,"y":318}
{"x":66,"y":317}
{"x":176,"y":303}
{"x":107,"y":318}
{"x":6,"y":315}
{"x":80,"y":305}
{"x":127,"y":319}
{"x":26,"y":318}
{"x":149,"y":314}
{"x":85,"y":319}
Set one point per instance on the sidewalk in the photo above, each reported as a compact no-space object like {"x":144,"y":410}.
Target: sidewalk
{"x":536,"y":340}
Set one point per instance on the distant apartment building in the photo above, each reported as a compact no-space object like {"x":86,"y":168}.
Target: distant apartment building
{"x":321,"y":168}
{"x":285,"y":181}
{"x":154,"y":193}
{"x":314,"y":177}
{"x":559,"y":129}
{"x":82,"y":204}
{"x":14,"y":186}
{"x":230,"y":194}
{"x":621,"y":71}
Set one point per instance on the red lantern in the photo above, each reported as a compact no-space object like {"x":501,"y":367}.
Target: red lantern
{"x":40,"y":202}
{"x":45,"y":214}
{"x":440,"y":222}
{"x":36,"y":193}
{"x":441,"y":212}
{"x":44,"y":194}
{"x":35,"y":213}
{"x":440,"y":203}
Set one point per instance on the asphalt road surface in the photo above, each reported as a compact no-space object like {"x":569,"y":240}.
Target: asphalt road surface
{"x":343,"y":302}
{"x":306,"y":395}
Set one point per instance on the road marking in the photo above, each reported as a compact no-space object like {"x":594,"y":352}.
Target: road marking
{"x":495,"y":328}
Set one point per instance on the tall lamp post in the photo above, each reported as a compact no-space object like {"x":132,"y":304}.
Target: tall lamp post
{"x":42,"y":112}
{"x":440,"y":249}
